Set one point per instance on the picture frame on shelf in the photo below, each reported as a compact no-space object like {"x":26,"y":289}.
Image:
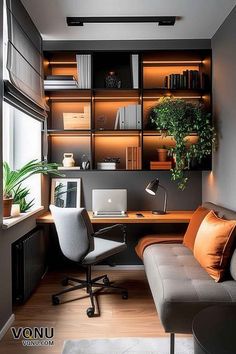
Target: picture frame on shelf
{"x":66,"y":192}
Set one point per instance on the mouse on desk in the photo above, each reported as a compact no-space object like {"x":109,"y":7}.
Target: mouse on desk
{"x":139,"y":215}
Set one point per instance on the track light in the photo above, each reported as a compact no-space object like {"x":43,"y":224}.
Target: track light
{"x":161,"y":20}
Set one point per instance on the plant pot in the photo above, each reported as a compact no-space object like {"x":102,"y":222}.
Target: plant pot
{"x":162,"y":154}
{"x":7,"y":203}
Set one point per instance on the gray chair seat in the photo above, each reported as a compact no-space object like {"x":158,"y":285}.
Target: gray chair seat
{"x":181,"y":287}
{"x":103,"y":249}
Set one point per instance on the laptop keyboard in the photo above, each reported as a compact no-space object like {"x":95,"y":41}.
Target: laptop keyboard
{"x":109,"y":213}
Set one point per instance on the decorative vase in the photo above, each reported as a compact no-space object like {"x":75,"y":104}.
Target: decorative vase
{"x":112,"y":81}
{"x":7,"y":203}
{"x":162,"y":154}
{"x":68,"y":160}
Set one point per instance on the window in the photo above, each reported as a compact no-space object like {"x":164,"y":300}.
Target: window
{"x":22,"y":143}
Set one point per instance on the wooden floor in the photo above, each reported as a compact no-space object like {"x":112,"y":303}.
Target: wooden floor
{"x":136,"y":316}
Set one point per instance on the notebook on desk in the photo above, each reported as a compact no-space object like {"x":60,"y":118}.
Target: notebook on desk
{"x":109,"y":202}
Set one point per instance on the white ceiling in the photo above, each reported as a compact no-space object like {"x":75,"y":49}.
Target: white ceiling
{"x":199,"y":18}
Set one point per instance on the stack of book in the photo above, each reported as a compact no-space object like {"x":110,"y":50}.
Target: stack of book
{"x":128,"y":117}
{"x":189,"y":79}
{"x":160,"y":165}
{"x":106,"y":165}
{"x":58,"y":82}
{"x":84,"y":70}
{"x":133,"y":158}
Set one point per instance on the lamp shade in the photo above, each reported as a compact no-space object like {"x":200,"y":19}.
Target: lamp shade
{"x":152,"y":186}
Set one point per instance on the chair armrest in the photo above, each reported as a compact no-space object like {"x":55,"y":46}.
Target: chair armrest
{"x":109,"y":228}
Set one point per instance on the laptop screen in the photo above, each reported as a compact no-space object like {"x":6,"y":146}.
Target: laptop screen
{"x":109,"y":200}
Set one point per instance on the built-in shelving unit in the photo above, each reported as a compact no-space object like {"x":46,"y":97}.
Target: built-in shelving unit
{"x":184,"y":74}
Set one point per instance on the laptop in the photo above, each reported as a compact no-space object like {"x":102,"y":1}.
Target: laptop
{"x":109,"y":202}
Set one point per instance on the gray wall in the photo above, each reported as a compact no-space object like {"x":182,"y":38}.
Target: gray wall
{"x":219,"y":186}
{"x":136,"y":182}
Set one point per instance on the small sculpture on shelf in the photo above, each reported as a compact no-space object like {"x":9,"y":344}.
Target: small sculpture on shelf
{"x":68,"y":160}
{"x":85,"y":162}
{"x":112,"y":81}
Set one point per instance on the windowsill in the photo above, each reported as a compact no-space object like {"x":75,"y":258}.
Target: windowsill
{"x":7,"y":223}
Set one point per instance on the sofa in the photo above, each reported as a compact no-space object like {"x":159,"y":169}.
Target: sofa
{"x":181,"y":287}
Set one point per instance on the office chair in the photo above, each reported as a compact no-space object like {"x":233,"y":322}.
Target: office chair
{"x":78,"y":242}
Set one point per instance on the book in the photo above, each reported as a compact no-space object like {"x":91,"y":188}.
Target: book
{"x":138,"y":116}
{"x":117,"y":120}
{"x":84,"y":70}
{"x":129,"y":117}
{"x":135,"y":70}
{"x":60,"y":77}
{"x":133,"y":158}
{"x":122,"y":118}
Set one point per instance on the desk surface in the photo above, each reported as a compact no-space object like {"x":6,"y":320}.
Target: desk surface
{"x":149,"y":218}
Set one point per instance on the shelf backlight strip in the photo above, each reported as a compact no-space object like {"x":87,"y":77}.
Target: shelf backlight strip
{"x":182,"y":97}
{"x":52,"y":98}
{"x":61,"y":63}
{"x":69,"y":134}
{"x":177,"y":62}
{"x":116,"y":98}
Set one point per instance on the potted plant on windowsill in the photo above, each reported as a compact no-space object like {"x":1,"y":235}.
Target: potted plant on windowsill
{"x":13,"y":179}
{"x":178,"y":118}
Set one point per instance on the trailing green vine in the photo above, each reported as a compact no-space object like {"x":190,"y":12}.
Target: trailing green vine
{"x":179,"y":119}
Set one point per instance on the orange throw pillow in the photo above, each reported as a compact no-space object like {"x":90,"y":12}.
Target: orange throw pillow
{"x":213,"y":244}
{"x":195,"y":222}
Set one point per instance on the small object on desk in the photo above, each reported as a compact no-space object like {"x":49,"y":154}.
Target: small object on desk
{"x":139,"y":215}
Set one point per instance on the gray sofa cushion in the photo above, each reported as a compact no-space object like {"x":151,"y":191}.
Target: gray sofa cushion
{"x":181,"y":287}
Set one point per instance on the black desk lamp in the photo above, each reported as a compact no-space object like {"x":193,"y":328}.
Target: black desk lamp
{"x":152,"y":188}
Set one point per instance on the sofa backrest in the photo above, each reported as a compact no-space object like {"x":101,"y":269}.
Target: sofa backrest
{"x":227,"y":214}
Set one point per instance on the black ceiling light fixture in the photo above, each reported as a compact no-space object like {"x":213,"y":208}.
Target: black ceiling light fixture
{"x":161,"y":20}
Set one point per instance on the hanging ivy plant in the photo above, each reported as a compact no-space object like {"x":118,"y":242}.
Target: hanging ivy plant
{"x":179,"y":118}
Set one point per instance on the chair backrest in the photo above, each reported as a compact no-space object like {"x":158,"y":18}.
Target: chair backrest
{"x":74,"y":230}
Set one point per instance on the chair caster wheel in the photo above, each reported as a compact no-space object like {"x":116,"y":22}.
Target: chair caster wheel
{"x":90,"y":312}
{"x":55,"y":300}
{"x":64,"y":282}
{"x":106,"y":281}
{"x":124,"y":295}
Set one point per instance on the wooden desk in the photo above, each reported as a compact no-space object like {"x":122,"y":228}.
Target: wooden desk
{"x":171,"y":217}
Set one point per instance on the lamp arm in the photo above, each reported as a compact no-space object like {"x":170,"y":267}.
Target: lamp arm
{"x":165,"y":197}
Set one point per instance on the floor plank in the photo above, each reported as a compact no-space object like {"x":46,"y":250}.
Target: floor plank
{"x":136,"y":316}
